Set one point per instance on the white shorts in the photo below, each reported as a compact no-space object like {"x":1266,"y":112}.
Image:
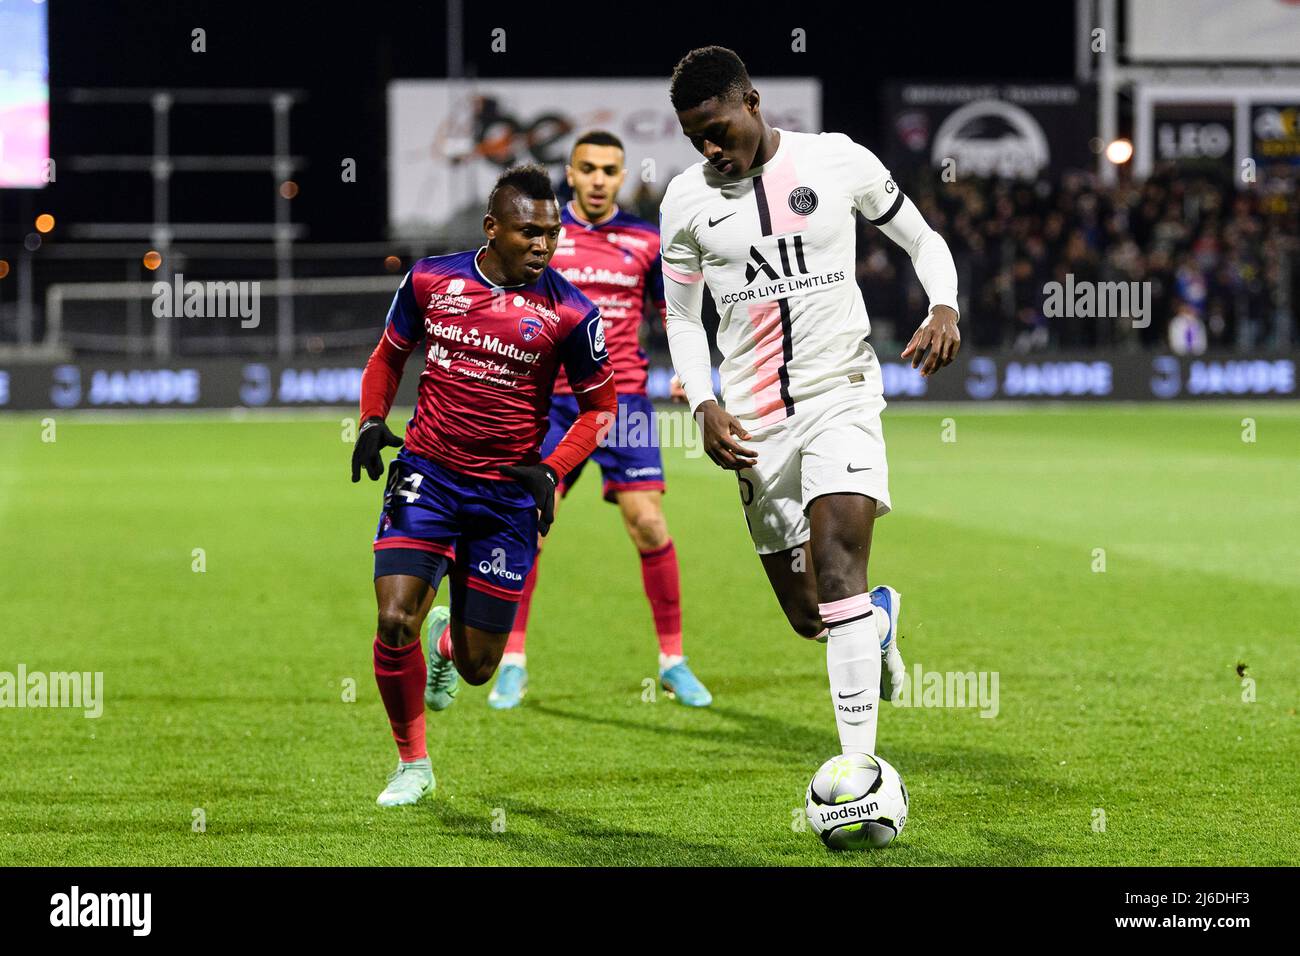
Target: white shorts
{"x":833,"y":444}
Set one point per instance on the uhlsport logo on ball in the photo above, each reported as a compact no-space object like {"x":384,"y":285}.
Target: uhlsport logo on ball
{"x":856,"y":801}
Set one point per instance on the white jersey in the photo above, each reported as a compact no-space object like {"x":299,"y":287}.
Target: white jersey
{"x":777,"y":251}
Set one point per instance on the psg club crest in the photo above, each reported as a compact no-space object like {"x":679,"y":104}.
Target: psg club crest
{"x":529,"y":327}
{"x":803,"y":201}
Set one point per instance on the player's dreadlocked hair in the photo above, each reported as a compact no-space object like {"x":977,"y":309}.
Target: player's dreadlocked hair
{"x":531,"y":181}
{"x":707,"y":72}
{"x":599,"y":137}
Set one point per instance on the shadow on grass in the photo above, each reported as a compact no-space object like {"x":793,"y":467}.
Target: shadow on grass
{"x":753,"y":731}
{"x":582,"y":841}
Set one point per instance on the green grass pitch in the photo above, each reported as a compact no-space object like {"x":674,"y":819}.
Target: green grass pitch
{"x":1123,"y":735}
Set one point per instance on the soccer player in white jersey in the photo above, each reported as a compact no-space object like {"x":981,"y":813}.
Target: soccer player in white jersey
{"x":767,"y":221}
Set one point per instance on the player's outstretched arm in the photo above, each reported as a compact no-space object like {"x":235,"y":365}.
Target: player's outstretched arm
{"x":879,"y":199}
{"x":383,"y":373}
{"x":379,"y":381}
{"x":936,"y":341}
{"x":597,"y":410}
{"x":688,"y":344}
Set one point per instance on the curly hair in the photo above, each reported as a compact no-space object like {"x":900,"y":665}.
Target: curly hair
{"x":707,"y":72}
{"x":531,"y":181}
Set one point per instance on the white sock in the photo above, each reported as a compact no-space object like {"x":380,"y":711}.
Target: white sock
{"x":669,"y":660}
{"x":881,"y":620}
{"x":853,"y":665}
{"x":519,"y":660}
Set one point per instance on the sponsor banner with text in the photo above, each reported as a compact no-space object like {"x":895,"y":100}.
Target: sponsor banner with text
{"x":1008,"y":130}
{"x":232,"y":383}
{"x":448,"y":141}
{"x":1275,"y":133}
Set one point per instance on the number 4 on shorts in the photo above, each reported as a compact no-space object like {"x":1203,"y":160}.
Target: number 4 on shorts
{"x":413,"y":492}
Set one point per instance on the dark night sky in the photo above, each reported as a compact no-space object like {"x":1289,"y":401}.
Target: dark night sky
{"x":343,"y":55}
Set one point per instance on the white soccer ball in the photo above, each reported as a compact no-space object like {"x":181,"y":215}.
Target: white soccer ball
{"x":856,"y":802}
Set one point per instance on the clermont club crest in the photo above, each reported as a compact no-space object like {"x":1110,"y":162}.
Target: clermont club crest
{"x":803,"y":201}
{"x":529,"y":327}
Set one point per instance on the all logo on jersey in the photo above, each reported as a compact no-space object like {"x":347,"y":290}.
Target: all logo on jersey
{"x":530,"y":326}
{"x":780,"y":272}
{"x":455,"y":286}
{"x":758,"y":265}
{"x":803,"y":201}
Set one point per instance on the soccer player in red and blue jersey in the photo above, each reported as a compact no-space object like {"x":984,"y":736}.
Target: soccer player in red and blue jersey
{"x":613,"y":257}
{"x":470,"y":491}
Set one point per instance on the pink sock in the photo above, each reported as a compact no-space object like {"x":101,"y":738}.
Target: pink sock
{"x":444,"y":644}
{"x":400,"y":674}
{"x":519,"y":633}
{"x":663,"y":588}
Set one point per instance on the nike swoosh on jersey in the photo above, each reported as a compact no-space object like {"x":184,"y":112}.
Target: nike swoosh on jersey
{"x":844,"y":696}
{"x":714,"y":222}
{"x":853,"y":470}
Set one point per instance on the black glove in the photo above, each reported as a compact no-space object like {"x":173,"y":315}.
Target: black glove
{"x":373,"y":437}
{"x":540,"y":481}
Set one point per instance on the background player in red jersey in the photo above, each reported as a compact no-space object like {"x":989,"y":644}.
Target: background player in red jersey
{"x":613,"y":257}
{"x":469,"y":493}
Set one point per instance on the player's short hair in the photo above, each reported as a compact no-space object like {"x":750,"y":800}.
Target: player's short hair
{"x":706,"y":72}
{"x":598,"y":137}
{"x":530,"y":181}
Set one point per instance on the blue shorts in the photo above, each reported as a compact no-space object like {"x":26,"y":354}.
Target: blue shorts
{"x":436,"y":519}
{"x":628,"y":457}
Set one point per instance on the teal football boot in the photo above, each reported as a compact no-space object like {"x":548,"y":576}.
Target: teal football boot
{"x":510,"y":688}
{"x":683,"y":686}
{"x":442,"y":683}
{"x":408,"y":783}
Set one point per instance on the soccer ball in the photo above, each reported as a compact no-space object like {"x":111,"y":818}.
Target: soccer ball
{"x":856,"y":802}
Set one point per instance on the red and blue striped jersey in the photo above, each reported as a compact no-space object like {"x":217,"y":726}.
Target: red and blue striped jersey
{"x":616,"y":264}
{"x":492,"y":356}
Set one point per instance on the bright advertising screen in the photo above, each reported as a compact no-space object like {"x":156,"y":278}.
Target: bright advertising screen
{"x":24,"y":93}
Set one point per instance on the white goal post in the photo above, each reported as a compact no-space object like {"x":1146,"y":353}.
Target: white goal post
{"x":125,"y":320}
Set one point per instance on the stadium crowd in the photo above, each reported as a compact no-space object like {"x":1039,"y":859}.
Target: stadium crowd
{"x":1223,"y":263}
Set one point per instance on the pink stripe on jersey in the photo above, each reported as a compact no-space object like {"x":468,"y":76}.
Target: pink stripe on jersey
{"x":685,"y":277}
{"x":765,"y":318}
{"x":777,"y":186}
{"x":843,"y":610}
